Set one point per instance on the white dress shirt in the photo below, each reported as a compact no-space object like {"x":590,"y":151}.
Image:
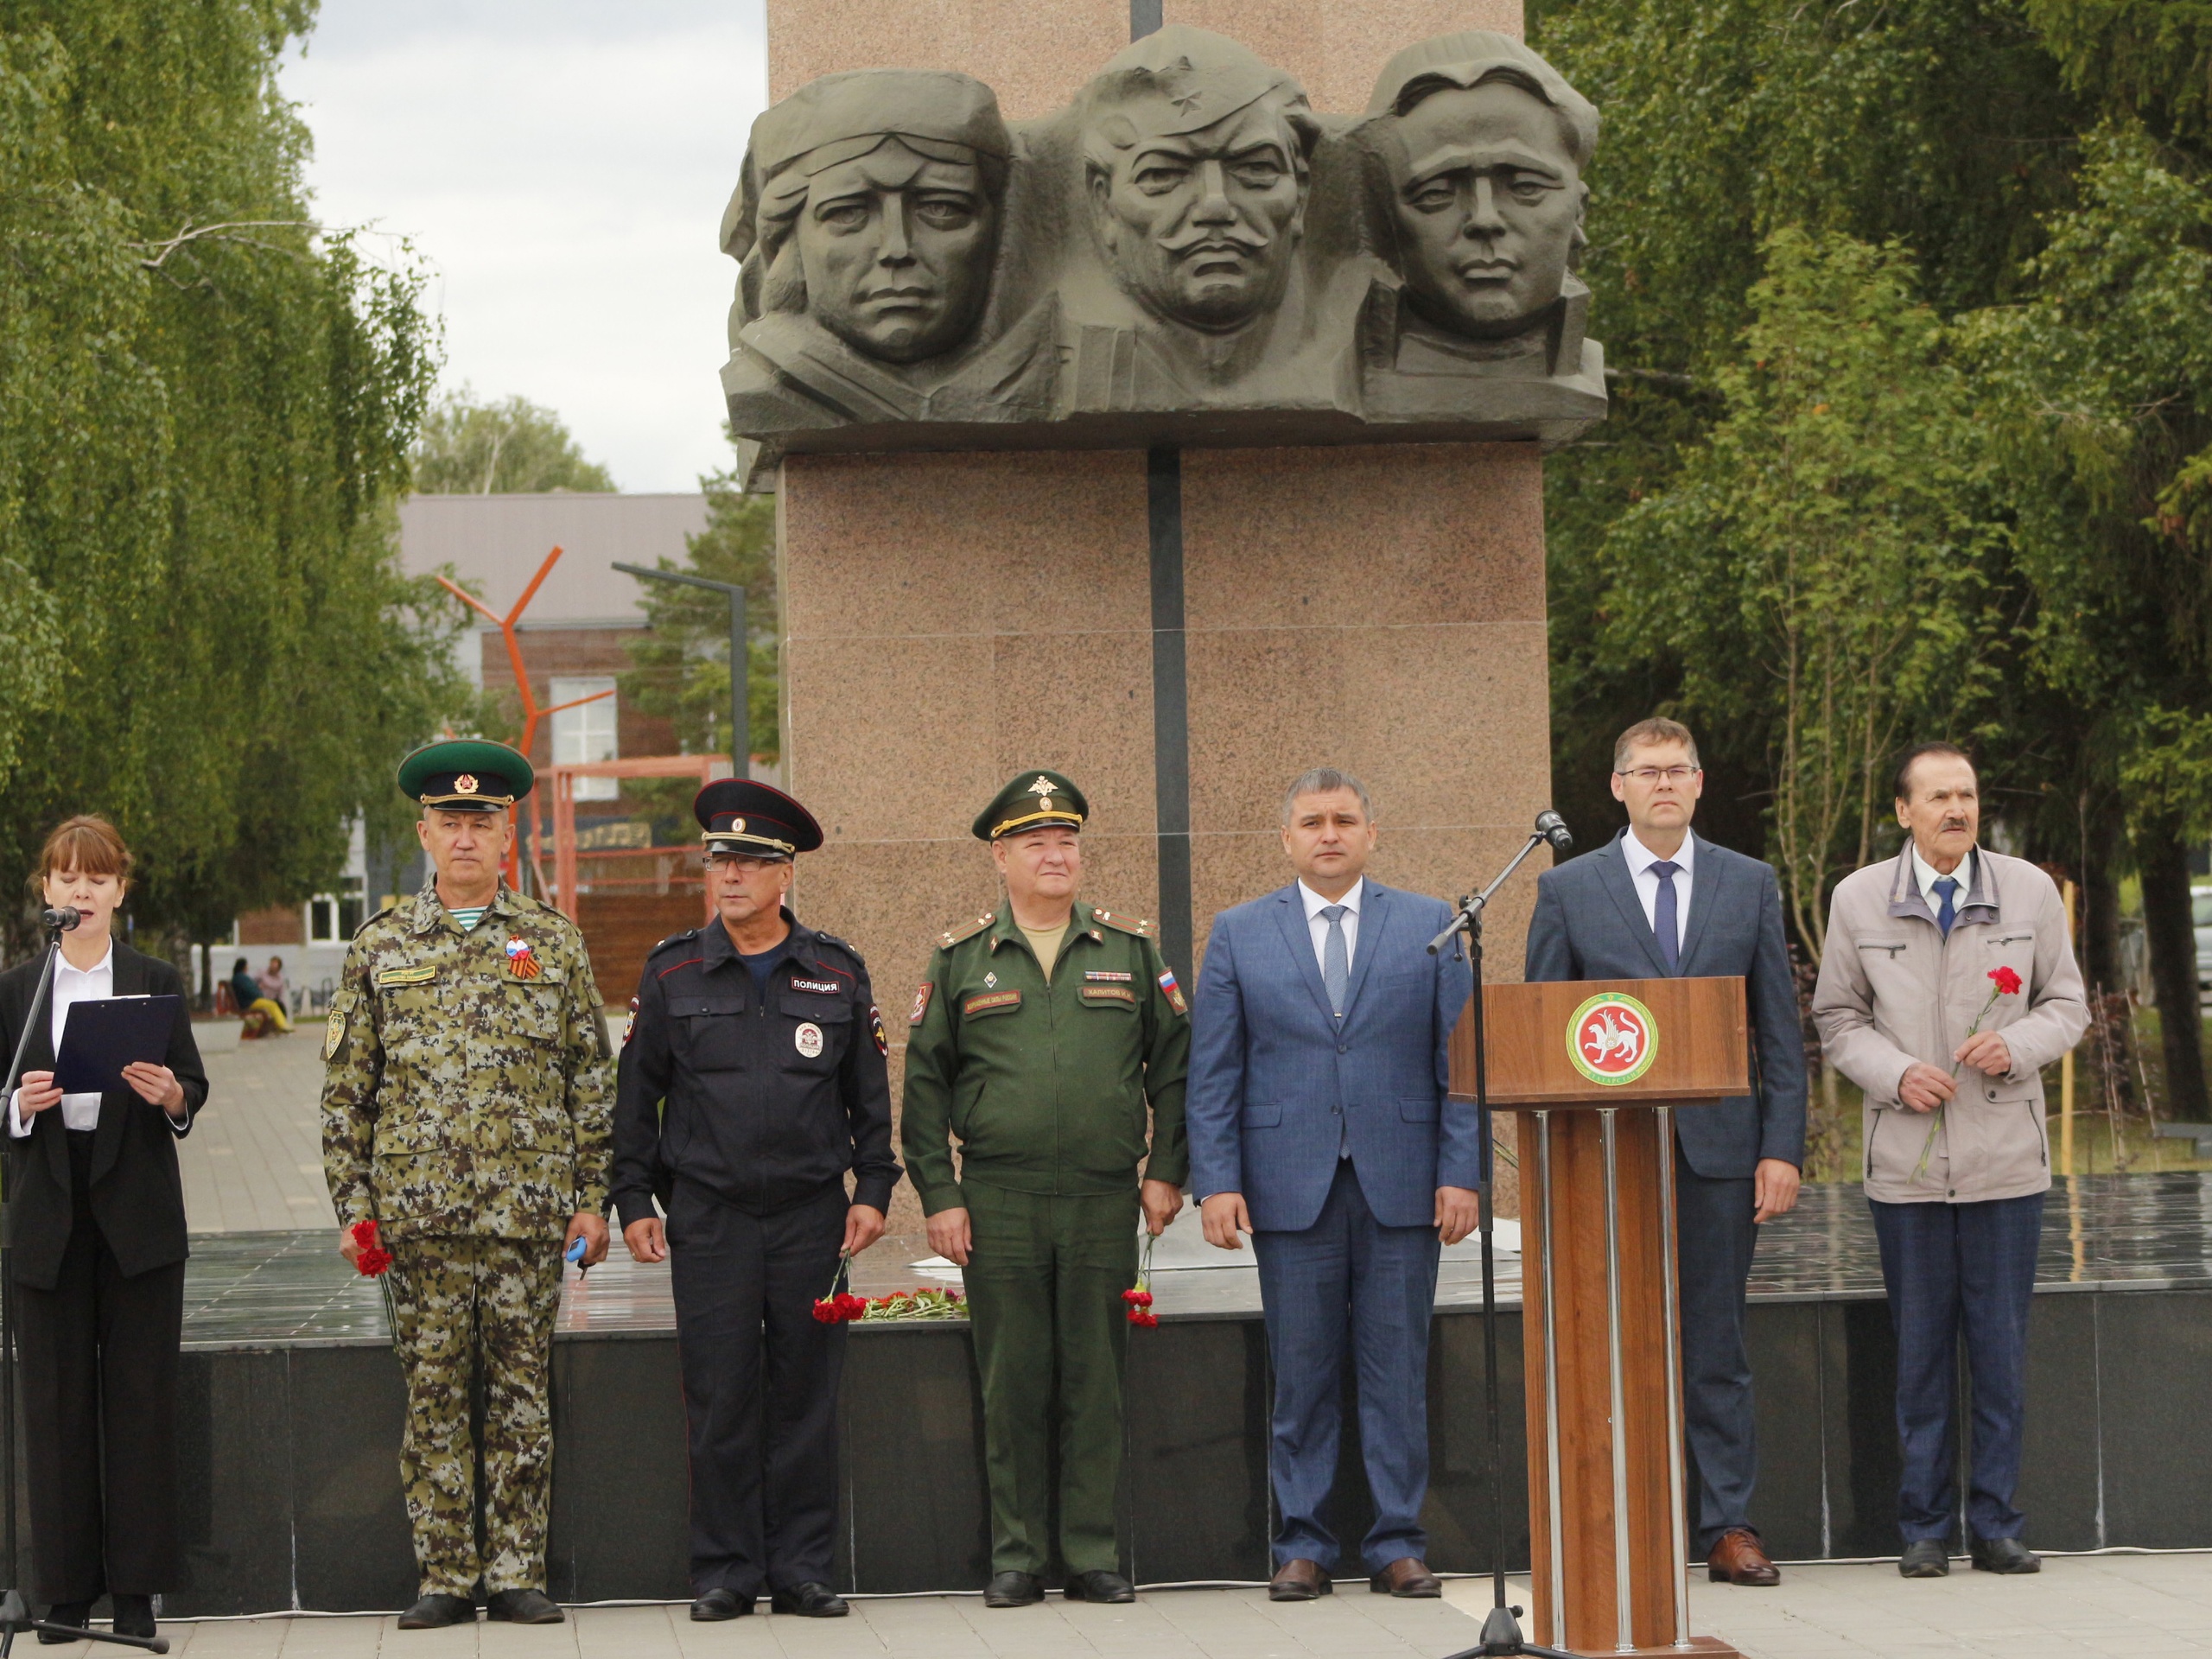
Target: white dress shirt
{"x":1927,"y":875}
{"x":1640,"y":859}
{"x":71,"y":985}
{"x":1318,"y":925}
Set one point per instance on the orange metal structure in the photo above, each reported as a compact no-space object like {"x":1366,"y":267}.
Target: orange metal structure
{"x":567,"y":862}
{"x":531,"y":714}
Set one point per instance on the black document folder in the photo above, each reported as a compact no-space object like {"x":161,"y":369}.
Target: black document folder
{"x":99,"y":1037}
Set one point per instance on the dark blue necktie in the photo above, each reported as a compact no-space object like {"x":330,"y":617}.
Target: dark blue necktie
{"x":1947,"y":913}
{"x":1666,"y":919}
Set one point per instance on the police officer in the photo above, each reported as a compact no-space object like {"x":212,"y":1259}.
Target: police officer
{"x":1043,"y":1031}
{"x":465,"y":1111}
{"x":752,"y":1081}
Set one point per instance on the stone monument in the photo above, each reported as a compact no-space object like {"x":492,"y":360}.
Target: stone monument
{"x":1160,"y":400}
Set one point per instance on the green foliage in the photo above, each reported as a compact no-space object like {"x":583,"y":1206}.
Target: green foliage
{"x":204,"y":409}
{"x":1816,"y":570}
{"x":682,"y":661}
{"x":2148,"y":58}
{"x":468,"y":447}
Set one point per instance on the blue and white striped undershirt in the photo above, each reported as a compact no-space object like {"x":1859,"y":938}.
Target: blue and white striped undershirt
{"x":468,"y":919}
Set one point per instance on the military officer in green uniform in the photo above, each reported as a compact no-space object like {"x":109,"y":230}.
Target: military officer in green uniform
{"x":467,"y":1109}
{"x":1044,"y":1032}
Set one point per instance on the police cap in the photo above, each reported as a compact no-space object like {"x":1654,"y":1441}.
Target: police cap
{"x":740,"y":816}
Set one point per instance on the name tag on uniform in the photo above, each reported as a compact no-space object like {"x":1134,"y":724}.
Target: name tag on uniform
{"x":819,"y":987}
{"x":405,"y":976}
{"x":1108,"y":993}
{"x":990,"y":1002}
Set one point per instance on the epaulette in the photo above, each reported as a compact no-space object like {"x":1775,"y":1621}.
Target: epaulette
{"x":374,"y":920}
{"x":1142,"y":928}
{"x":967,"y":930}
{"x":674,"y":938}
{"x":831,"y":938}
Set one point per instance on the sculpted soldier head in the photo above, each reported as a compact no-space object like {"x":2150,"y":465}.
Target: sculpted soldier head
{"x":870,"y":202}
{"x":1485,"y":145}
{"x":1195,"y":155}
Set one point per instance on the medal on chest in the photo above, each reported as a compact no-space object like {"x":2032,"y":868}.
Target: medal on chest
{"x":522,"y":962}
{"x":808,"y":1037}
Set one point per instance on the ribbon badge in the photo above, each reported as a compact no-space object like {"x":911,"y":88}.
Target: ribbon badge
{"x":521,"y":962}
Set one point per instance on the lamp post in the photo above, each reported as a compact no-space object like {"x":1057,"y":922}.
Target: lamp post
{"x":741,"y":659}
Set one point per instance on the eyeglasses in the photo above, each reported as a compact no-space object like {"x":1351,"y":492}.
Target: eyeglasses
{"x":1649,"y":775}
{"x":743,"y":863}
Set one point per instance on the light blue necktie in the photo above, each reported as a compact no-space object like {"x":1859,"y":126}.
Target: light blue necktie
{"x":1666,"y":915}
{"x":1947,"y":913}
{"x":1336,"y":959}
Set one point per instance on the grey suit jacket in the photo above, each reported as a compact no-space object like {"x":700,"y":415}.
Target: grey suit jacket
{"x":1589,"y":925}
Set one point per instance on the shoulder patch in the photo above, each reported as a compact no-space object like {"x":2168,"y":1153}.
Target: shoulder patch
{"x":1141,"y":928}
{"x":967,"y":930}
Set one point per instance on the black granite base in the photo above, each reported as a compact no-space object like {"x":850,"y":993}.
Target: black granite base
{"x":291,"y":1492}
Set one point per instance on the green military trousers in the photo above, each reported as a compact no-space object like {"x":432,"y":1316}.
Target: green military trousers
{"x":468,"y":1308}
{"x":1045,"y":1279}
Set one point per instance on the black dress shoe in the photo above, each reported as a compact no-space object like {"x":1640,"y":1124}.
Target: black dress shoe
{"x":808,"y":1600}
{"x":134,"y":1616}
{"x":75,"y":1614}
{"x":524,"y":1607}
{"x":2005,"y":1555}
{"x":1099,"y":1586}
{"x":436,"y":1610}
{"x":1925,"y":1558}
{"x":1012,"y":1589}
{"x":719,"y":1604}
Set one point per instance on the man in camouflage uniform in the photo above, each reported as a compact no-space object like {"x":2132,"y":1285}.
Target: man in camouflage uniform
{"x":1043,"y":1030}
{"x":466,"y":1110}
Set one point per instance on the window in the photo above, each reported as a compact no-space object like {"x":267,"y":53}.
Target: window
{"x":334,"y":918}
{"x":587,"y":734}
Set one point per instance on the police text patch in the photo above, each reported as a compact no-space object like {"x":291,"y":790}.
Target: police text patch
{"x":819,"y":987}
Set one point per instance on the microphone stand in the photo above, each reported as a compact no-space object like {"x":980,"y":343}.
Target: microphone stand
{"x":15,"y":1610}
{"x":1501,"y":1630}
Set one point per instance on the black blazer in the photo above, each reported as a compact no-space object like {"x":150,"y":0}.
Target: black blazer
{"x":137,"y":1195}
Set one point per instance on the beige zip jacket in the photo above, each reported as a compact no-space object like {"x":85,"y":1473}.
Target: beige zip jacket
{"x":1893,"y":990}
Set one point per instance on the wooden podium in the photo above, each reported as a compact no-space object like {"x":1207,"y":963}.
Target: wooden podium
{"x":1594,"y":1068}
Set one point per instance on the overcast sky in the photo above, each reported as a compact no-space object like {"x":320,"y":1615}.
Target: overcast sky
{"x":563,"y":165}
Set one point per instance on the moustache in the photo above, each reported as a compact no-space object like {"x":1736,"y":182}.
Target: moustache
{"x":1213,"y":240}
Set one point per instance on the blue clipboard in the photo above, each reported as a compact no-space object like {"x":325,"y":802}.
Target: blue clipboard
{"x":99,"y":1037}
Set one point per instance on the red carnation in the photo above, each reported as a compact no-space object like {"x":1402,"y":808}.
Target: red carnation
{"x":1143,"y":1315}
{"x":850,"y":1306}
{"x":1130,"y":1296}
{"x":2008,"y":983}
{"x":826,"y":1311}
{"x":370,"y":1258}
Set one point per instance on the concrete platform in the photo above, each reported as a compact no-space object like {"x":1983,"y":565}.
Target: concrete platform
{"x":2107,"y":1604}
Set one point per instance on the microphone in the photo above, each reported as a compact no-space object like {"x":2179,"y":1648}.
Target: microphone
{"x":1553,"y":828}
{"x":61,"y":920}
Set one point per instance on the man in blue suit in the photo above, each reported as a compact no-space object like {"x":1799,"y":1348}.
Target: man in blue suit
{"x":1318,"y":1123}
{"x":1655,"y":901}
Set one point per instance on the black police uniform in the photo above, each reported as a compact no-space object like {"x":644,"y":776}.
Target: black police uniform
{"x":742,"y":1114}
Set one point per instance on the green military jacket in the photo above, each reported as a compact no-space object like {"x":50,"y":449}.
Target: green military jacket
{"x":465,"y":1085}
{"x":1045,"y":1086}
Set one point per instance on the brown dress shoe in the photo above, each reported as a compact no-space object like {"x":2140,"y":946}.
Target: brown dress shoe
{"x":1300,"y":1579}
{"x":1406,"y":1576}
{"x":1737,"y":1558}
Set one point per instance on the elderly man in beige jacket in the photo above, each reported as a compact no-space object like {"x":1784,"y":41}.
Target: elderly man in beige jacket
{"x":1948,"y":984}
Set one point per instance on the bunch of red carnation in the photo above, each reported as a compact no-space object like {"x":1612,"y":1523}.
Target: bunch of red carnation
{"x":371,"y":1259}
{"x":1139,"y":1296}
{"x":840,"y":1308}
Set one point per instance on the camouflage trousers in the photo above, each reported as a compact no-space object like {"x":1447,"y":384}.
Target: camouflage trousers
{"x":473,"y":1309}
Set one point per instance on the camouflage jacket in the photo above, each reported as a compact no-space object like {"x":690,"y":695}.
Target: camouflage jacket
{"x":1045,"y":1084}
{"x":466,"y":1084}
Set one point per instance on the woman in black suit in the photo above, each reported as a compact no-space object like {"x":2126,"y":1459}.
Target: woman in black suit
{"x":96,"y":1242}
